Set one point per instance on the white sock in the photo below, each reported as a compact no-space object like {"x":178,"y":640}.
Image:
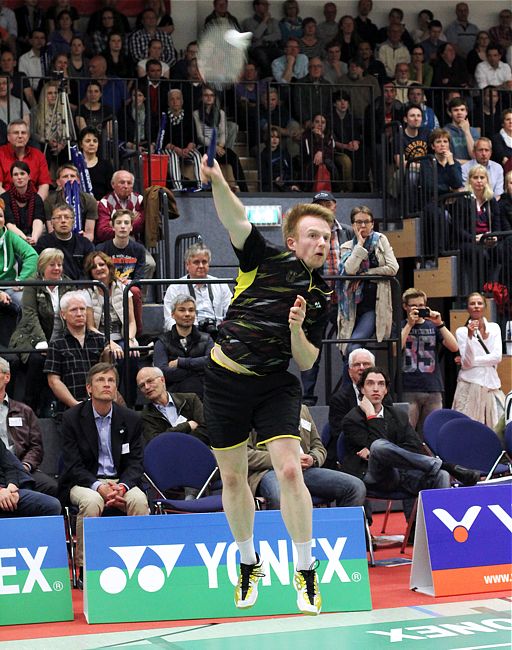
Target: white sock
{"x":304,"y":556}
{"x":247,"y":551}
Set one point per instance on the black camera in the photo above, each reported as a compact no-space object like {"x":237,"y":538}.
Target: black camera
{"x":424,"y":312}
{"x":208,"y":325}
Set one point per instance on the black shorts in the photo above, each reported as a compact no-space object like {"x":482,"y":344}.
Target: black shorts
{"x":235,"y":404}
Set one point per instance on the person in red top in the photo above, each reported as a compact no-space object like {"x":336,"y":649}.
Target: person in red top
{"x":123,"y":197}
{"x":17,"y":148}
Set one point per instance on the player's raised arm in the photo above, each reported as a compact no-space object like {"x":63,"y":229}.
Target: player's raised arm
{"x":229,"y":208}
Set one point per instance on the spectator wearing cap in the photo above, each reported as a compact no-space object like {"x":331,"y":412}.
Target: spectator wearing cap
{"x":363,"y":90}
{"x":340,"y":233}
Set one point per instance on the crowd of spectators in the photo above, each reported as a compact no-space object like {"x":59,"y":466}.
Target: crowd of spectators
{"x":115,"y":72}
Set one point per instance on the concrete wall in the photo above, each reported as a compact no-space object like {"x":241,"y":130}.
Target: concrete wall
{"x":197,"y":214}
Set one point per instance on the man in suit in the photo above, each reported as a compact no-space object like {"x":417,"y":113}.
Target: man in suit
{"x":165,"y":411}
{"x":102,"y":454}
{"x":21,"y":434}
{"x":384,"y":450}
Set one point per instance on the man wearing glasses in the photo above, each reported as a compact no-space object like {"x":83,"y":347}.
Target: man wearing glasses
{"x":165,"y":411}
{"x":212,"y":300}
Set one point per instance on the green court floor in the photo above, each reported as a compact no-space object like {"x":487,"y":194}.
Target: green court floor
{"x":476,"y":625}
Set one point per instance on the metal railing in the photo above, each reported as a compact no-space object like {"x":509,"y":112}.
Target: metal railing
{"x":78,"y":284}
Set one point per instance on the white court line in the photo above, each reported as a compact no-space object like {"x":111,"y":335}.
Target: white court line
{"x":481,"y":647}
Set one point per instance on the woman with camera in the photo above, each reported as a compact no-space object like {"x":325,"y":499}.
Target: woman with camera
{"x":478,"y":393}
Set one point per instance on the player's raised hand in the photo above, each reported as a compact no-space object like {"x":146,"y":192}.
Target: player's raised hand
{"x":297,"y":314}
{"x":210,"y":174}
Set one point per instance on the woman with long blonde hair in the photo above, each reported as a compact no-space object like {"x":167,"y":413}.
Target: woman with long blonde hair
{"x":49,"y":125}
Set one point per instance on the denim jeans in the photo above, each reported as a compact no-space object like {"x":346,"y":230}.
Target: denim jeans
{"x":34,"y":504}
{"x":329,"y":484}
{"x":391,"y":467}
{"x":364,"y":328}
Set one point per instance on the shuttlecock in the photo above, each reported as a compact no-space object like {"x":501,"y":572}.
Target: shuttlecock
{"x":240,"y":40}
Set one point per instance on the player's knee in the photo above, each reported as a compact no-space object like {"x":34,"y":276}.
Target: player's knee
{"x":233,"y":480}
{"x":290,"y":472}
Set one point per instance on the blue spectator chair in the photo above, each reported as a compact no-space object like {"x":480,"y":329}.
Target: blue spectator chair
{"x":508,"y":439}
{"x":433,"y":423}
{"x":471,"y":444}
{"x":173,"y":461}
{"x":325,"y":434}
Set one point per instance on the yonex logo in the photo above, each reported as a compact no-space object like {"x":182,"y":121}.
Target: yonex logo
{"x":151,"y":577}
{"x":34,"y":565}
{"x":460,"y":529}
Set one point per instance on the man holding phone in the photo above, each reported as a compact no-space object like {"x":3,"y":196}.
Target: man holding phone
{"x":422,"y":332}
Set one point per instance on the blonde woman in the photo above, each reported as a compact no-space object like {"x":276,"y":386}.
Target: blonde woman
{"x":49,"y":125}
{"x":39,"y":323}
{"x":478,"y":393}
{"x":487,"y":210}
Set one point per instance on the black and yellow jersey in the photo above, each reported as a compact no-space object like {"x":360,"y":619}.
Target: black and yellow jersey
{"x":255,"y":333}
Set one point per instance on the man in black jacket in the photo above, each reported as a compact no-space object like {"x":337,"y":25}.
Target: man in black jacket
{"x":165,"y":411}
{"x":346,"y":398}
{"x":17,"y":495}
{"x":182,"y":353}
{"x":101,"y":453}
{"x":384,"y":450}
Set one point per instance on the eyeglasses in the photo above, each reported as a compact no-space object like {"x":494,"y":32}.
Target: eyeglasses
{"x":361,"y":364}
{"x":363,"y":223}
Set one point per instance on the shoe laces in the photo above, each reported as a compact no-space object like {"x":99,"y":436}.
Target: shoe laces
{"x":309,"y":579}
{"x":248,"y":572}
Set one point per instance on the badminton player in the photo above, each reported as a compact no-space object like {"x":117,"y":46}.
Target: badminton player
{"x":277,"y":313}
